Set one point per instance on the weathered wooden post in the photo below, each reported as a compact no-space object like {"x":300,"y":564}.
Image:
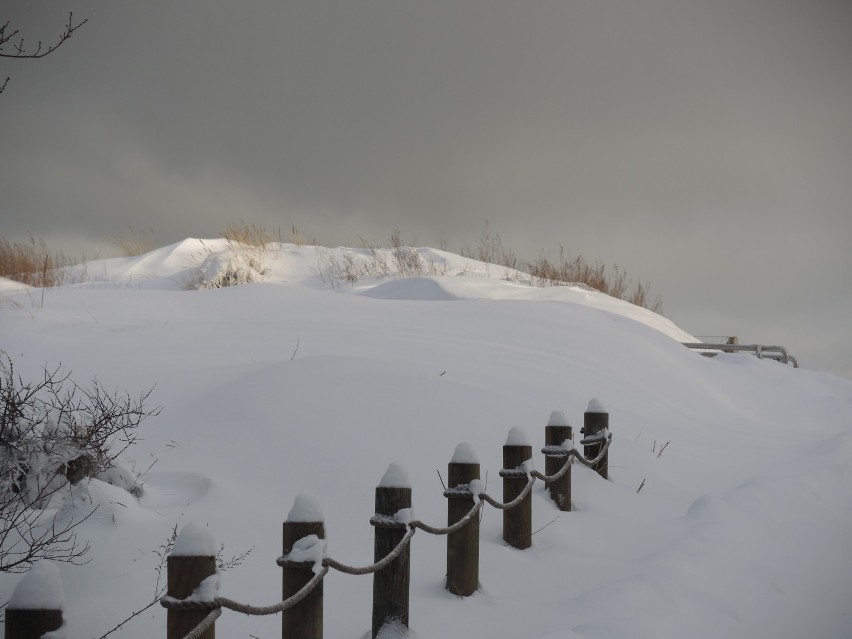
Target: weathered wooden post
{"x":304,"y":620}
{"x":517,"y":521}
{"x":462,"y":545}
{"x":35,"y":607}
{"x":391,"y":583}
{"x":595,"y":428}
{"x":191,"y":561}
{"x":557,"y":432}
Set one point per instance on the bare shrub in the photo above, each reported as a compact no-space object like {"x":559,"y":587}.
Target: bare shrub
{"x":54,"y":433}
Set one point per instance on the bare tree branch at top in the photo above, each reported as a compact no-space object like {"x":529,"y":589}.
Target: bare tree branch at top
{"x":20,"y":50}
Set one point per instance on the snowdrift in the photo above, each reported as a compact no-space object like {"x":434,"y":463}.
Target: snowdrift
{"x":302,"y":382}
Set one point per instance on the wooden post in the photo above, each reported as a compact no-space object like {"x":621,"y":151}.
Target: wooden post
{"x":517,"y":522}
{"x":391,"y":583}
{"x":31,"y":624}
{"x":304,"y":620}
{"x":192,"y":560}
{"x":558,"y":431}
{"x":595,"y":421}
{"x":35,"y":606}
{"x":462,"y":545}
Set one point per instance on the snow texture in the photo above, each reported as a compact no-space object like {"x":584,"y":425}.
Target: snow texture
{"x":395,"y":477}
{"x":557,"y":418}
{"x":305,"y":509}
{"x":309,"y":548}
{"x":464,"y":454}
{"x":477,"y":487}
{"x":595,"y":406}
{"x":195,"y":540}
{"x":39,"y":589}
{"x":517,"y":437}
{"x":305,"y":381}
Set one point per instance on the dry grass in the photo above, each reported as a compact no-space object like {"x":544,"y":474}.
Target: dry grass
{"x":251,"y":234}
{"x":133,"y":242}
{"x":32,"y":263}
{"x":565,"y":270}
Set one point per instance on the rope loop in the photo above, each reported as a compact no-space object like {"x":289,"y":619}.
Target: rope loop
{"x":556,"y":451}
{"x":387,"y":522}
{"x":512,"y":473}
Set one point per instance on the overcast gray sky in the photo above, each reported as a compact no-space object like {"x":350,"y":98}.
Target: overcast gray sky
{"x":703,"y":146}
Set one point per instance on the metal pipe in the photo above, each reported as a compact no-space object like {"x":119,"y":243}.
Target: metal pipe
{"x":758,"y":349}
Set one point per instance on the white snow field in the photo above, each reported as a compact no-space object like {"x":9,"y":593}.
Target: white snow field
{"x":304,"y":383}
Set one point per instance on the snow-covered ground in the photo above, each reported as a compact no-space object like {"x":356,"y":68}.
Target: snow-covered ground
{"x":305,"y":383}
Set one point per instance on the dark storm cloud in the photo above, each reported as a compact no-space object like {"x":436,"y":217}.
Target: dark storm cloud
{"x":704,"y":146}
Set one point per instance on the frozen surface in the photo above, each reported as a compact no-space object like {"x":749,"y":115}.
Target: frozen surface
{"x":292,"y":385}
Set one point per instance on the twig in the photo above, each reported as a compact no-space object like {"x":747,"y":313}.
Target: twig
{"x":295,"y":350}
{"x":664,"y":447}
{"x":441,"y":478}
{"x":547,"y":524}
{"x":640,"y":486}
{"x":132,"y":616}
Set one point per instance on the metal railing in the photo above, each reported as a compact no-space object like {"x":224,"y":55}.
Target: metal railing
{"x":778,"y":353}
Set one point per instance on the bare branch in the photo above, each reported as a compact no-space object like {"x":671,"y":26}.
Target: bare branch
{"x":20,"y":50}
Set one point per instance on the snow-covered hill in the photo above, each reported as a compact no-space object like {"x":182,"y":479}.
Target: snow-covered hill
{"x":306,"y":383}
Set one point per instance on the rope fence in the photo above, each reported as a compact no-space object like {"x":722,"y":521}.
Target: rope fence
{"x":191,"y":614}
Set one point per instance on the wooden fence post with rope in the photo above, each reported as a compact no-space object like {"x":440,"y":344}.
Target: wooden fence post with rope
{"x":517,"y":522}
{"x":595,"y":428}
{"x":462,"y":545}
{"x":556,"y":433}
{"x":303,"y":620}
{"x":391,"y":583}
{"x":191,"y":561}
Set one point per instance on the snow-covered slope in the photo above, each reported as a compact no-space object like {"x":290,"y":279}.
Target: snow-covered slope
{"x":304,"y":383}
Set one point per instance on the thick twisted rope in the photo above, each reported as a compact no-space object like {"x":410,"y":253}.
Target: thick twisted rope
{"x":222,"y":602}
{"x":461,"y":523}
{"x":511,"y":504}
{"x":204,"y":625}
{"x":559,"y":473}
{"x":593,"y":462}
{"x":328,"y":562}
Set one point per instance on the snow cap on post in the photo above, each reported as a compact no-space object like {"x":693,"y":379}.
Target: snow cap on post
{"x":194,"y":540}
{"x":517,"y":437}
{"x":464,"y":454}
{"x":557,"y":418}
{"x":40,"y":589}
{"x":595,"y":406}
{"x":305,"y":509}
{"x":395,"y":477}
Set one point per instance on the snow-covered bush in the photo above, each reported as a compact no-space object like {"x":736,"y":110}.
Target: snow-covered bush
{"x":54,"y":433}
{"x":238,"y":264}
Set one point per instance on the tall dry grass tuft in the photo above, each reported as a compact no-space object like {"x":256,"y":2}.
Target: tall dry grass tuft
{"x":32,"y":263}
{"x":132,"y":242}
{"x":565,"y":270}
{"x":251,"y":234}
